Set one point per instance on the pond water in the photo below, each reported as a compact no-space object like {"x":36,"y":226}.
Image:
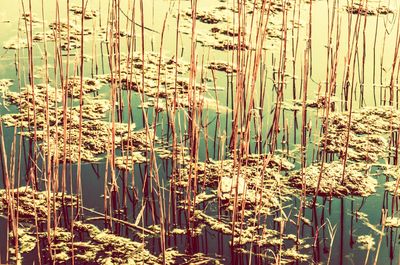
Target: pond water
{"x":250,"y":133}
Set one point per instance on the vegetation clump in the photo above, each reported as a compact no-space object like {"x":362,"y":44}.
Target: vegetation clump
{"x":173,"y":256}
{"x":88,"y":86}
{"x":127,"y":162}
{"x":5,"y":85}
{"x":257,"y":184}
{"x":366,"y":242}
{"x":222,"y":66}
{"x":96,"y":134}
{"x":258,"y":188}
{"x":366,"y":138}
{"x":208,"y":17}
{"x":370,"y":10}
{"x":355,"y":181}
{"x":96,"y":246}
{"x":32,"y":204}
{"x":26,"y":242}
{"x":250,"y":232}
{"x":89,"y":14}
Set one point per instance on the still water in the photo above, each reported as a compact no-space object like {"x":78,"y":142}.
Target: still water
{"x":330,"y":230}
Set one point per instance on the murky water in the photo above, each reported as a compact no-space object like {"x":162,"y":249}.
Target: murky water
{"x":329,"y":232}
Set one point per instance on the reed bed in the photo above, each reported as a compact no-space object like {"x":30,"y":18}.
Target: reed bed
{"x":200,"y":132}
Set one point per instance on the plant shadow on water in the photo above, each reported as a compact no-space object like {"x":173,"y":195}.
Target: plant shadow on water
{"x":199,"y":132}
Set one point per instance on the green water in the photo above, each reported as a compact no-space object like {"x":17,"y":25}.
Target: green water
{"x":374,"y":74}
